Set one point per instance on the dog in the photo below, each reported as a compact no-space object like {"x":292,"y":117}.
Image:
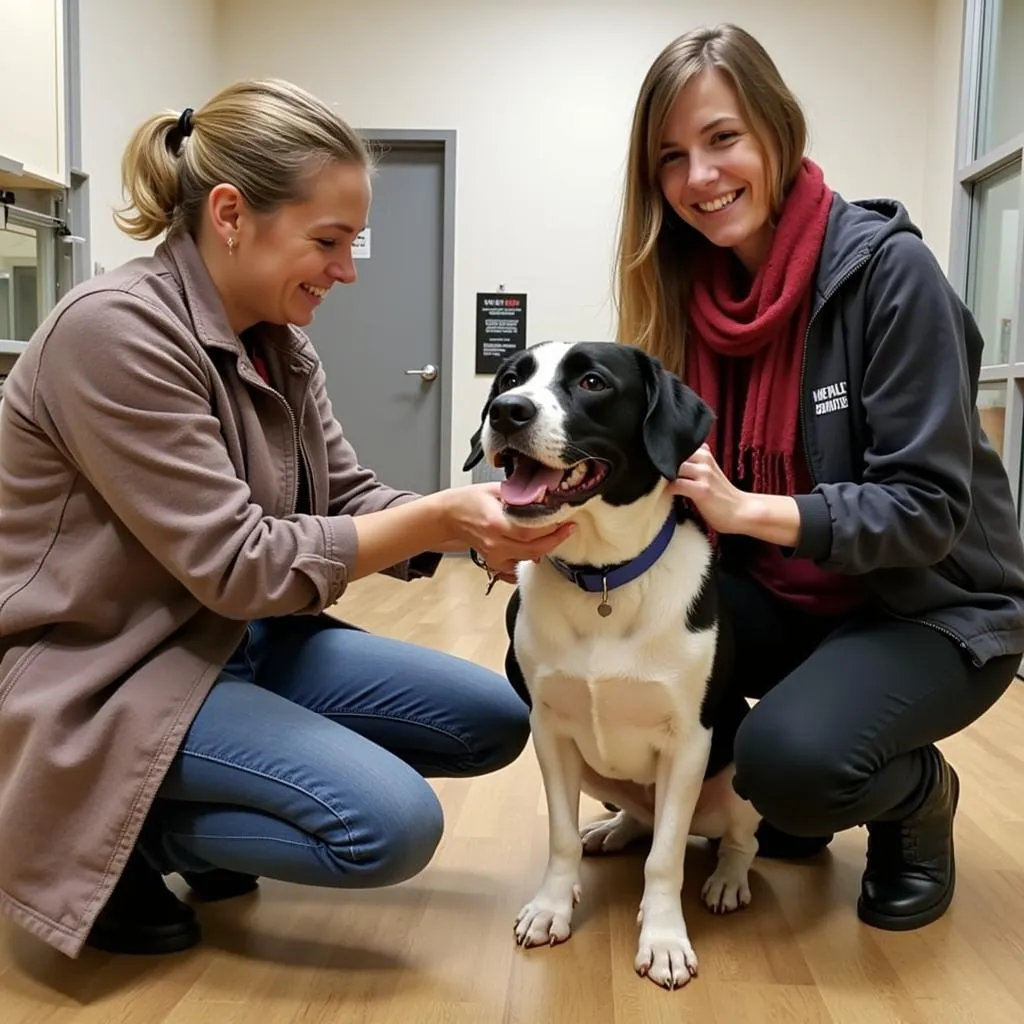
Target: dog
{"x":618,"y":634}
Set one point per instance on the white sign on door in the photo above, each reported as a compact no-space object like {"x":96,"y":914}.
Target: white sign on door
{"x":361,"y":245}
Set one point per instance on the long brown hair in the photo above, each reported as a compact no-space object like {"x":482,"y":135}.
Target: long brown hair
{"x":267,"y":137}
{"x":652,"y":282}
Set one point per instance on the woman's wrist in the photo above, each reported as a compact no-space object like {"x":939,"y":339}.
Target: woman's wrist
{"x":437,"y":531}
{"x":773,"y":518}
{"x":395,"y":534}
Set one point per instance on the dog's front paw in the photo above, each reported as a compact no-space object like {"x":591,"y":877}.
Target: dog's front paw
{"x":728,"y":888}
{"x":610,"y":835}
{"x":547,"y":919}
{"x":666,"y":956}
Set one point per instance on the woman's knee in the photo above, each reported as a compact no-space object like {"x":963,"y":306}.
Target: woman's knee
{"x":487,"y":715}
{"x":387,"y":841}
{"x":797,"y":781}
{"x":501,"y":730}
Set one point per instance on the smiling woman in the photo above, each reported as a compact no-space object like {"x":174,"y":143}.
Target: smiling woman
{"x":274,"y":232}
{"x":870,"y":552}
{"x":180,"y":508}
{"x":712,"y":168}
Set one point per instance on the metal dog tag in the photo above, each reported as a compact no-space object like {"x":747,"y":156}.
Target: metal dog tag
{"x":604,"y":609}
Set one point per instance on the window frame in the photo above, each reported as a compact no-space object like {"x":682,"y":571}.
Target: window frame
{"x":973,"y":168}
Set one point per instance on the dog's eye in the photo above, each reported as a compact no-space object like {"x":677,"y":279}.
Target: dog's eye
{"x":508,"y":380}
{"x":592,"y":382}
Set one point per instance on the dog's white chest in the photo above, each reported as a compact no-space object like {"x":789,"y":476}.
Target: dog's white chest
{"x":620,"y":724}
{"x":628,"y":686}
{"x":622,"y":702}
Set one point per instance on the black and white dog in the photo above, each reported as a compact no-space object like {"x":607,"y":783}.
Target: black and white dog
{"x":618,"y":633}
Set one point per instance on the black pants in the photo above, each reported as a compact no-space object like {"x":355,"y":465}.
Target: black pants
{"x":845,"y":709}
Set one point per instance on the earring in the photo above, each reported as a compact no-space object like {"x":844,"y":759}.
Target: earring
{"x":231,"y":245}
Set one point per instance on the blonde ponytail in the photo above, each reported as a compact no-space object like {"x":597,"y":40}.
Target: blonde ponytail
{"x":150,"y":179}
{"x":266,"y":137}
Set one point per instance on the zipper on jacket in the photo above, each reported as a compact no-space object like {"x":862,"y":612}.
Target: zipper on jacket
{"x":944,"y":630}
{"x":803,"y":358}
{"x":939,"y":628}
{"x":302,"y":461}
{"x":256,"y":379}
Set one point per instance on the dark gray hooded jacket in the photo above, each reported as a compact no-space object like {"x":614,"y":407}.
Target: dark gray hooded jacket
{"x":909,"y":493}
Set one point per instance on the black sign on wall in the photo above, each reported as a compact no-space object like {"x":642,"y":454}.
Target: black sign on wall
{"x":500,"y":328}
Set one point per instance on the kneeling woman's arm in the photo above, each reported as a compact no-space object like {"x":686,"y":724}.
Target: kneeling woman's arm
{"x":132,"y":411}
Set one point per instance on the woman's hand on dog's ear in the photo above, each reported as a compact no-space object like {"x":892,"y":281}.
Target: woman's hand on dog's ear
{"x":474,"y":515}
{"x":774,"y":518}
{"x":701,"y":480}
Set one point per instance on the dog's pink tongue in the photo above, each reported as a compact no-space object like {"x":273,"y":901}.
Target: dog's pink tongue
{"x":529,"y":482}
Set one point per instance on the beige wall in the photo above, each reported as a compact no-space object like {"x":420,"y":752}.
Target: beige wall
{"x":540,"y":93}
{"x":165,"y":57}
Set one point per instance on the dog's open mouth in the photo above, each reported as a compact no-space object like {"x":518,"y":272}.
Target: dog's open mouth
{"x":532,"y":484}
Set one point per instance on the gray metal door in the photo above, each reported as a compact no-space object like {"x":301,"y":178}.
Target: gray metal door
{"x":381,"y":339}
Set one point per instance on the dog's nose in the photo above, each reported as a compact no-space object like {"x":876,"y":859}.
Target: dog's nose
{"x":510,"y":413}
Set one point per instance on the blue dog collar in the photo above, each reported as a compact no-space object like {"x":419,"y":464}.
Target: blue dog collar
{"x":601,"y":579}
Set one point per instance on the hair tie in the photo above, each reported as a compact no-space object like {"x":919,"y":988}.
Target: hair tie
{"x":182,"y":127}
{"x":185,"y":122}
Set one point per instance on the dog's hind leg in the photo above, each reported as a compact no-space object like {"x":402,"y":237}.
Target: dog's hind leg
{"x":633,"y":820}
{"x":547,"y":918}
{"x":728,"y":887}
{"x":611,"y":835}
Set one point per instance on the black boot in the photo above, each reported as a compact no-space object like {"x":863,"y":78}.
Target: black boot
{"x":911,"y":872}
{"x":143,"y":916}
{"x":219,"y":884}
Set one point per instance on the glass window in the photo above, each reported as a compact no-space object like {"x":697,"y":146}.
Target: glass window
{"x":1002,"y":98}
{"x":993,"y":266}
{"x":992,"y":410}
{"x":19,"y":282}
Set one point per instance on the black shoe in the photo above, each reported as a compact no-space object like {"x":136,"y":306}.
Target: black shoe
{"x":143,"y":917}
{"x":911,"y":871}
{"x":219,"y":884}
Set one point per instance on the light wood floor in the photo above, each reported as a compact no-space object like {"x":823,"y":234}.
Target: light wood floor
{"x":439,"y":948}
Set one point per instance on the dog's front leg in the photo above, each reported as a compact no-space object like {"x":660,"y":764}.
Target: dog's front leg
{"x":665,"y":954}
{"x":547,"y":918}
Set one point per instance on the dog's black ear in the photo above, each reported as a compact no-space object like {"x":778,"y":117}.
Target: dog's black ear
{"x":476,"y":448}
{"x":678,"y":421}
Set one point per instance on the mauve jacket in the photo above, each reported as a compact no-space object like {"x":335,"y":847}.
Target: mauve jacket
{"x":148,"y":486}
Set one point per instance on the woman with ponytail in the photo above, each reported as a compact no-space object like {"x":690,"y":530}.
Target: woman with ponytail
{"x":179,"y":507}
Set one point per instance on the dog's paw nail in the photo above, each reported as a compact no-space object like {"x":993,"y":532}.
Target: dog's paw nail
{"x":667,"y":958}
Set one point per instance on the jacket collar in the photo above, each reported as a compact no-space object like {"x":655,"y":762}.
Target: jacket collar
{"x":180,"y":254}
{"x":854,"y":234}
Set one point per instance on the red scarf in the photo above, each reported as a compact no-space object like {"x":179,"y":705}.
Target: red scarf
{"x":767,"y":324}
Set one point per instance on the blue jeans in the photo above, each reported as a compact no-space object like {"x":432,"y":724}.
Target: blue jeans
{"x":307,"y":761}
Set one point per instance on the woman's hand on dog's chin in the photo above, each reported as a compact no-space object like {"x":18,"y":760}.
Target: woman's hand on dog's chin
{"x":474,"y":516}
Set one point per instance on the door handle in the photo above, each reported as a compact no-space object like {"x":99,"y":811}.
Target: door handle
{"x":428,"y":372}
